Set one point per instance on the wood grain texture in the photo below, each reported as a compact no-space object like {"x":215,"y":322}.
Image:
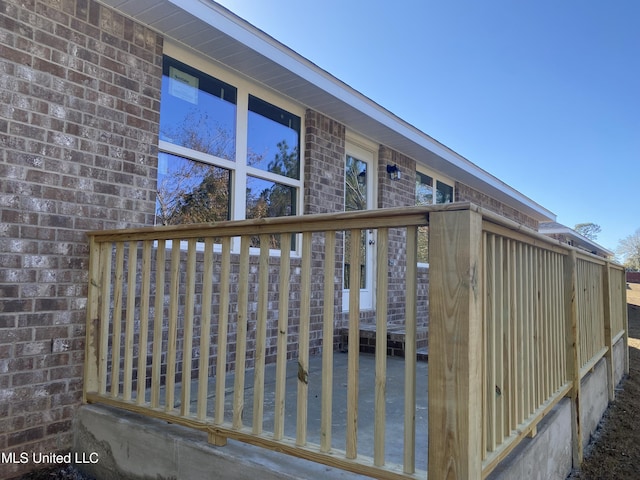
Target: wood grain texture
{"x":455,"y":357}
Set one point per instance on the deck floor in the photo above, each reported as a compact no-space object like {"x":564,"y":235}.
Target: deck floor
{"x":394,"y":404}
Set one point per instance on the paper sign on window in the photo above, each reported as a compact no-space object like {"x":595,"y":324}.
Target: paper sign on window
{"x":183,"y":85}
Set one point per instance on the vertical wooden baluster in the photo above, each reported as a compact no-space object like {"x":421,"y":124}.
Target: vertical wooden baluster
{"x":382,"y":285}
{"x":327,"y":340}
{"x":158,"y":322}
{"x":205,"y":331}
{"x":526,"y":333}
{"x":491,"y":414}
{"x":512,"y":321}
{"x":130,"y":320}
{"x":241,"y":333}
{"x":500,"y":386}
{"x":283,"y":327}
{"x":520,"y":371}
{"x":187,"y":345}
{"x":145,"y":293}
{"x":223,"y":328}
{"x":117,"y":320}
{"x":544,"y":283}
{"x":106,"y":256}
{"x":353,"y":345}
{"x":261,"y":335}
{"x":303,"y":343}
{"x":174,"y":299}
{"x":410,"y":352}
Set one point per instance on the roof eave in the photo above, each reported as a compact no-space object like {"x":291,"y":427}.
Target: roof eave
{"x":317,"y":89}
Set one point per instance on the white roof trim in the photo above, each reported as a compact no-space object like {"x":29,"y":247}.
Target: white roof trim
{"x":559,"y":229}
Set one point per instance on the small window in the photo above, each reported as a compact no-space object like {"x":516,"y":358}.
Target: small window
{"x":424,"y":189}
{"x":424,"y":196}
{"x":444,"y":192}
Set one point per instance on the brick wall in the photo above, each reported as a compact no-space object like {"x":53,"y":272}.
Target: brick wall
{"x":79,"y":105}
{"x":396,"y":193}
{"x":464,"y":193}
{"x":324,"y":192}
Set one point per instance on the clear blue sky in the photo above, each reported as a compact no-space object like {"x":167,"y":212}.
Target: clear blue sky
{"x":544,"y":95}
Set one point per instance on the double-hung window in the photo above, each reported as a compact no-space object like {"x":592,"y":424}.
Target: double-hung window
{"x":225,"y":151}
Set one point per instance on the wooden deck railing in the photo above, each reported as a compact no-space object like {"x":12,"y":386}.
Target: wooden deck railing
{"x":516,"y":320}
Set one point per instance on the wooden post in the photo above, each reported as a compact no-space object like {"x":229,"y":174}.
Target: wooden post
{"x":455,"y":356}
{"x":625,"y":320}
{"x":93,"y":308}
{"x":606,"y":293}
{"x":573,"y":353}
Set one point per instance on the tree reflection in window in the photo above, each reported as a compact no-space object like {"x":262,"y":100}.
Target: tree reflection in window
{"x":272,"y":139}
{"x":191,"y":192}
{"x":424,"y":196}
{"x":444,"y":192}
{"x":198,"y":115}
{"x":355,"y":198}
{"x":269,"y":199}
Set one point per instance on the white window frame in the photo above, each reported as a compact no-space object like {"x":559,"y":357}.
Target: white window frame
{"x":239,"y":169}
{"x":435,"y":177}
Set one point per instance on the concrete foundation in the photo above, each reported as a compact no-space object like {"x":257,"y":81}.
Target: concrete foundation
{"x":594,"y":399}
{"x":546,"y":456}
{"x":126,"y":446}
{"x":620,"y":352}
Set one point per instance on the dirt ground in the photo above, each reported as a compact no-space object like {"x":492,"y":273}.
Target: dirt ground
{"x":615,"y":453}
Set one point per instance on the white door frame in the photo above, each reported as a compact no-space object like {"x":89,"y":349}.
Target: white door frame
{"x":368,"y":156}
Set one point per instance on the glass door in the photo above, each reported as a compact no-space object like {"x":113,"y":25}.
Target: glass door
{"x":358,"y":196}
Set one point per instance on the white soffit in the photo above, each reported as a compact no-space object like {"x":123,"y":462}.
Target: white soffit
{"x":219,"y":34}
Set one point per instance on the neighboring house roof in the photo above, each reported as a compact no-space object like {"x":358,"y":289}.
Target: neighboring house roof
{"x":574,"y":238}
{"x":219,"y":34}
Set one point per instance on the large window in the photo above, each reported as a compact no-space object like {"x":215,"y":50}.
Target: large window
{"x":425,"y":196}
{"x":225,"y":152}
